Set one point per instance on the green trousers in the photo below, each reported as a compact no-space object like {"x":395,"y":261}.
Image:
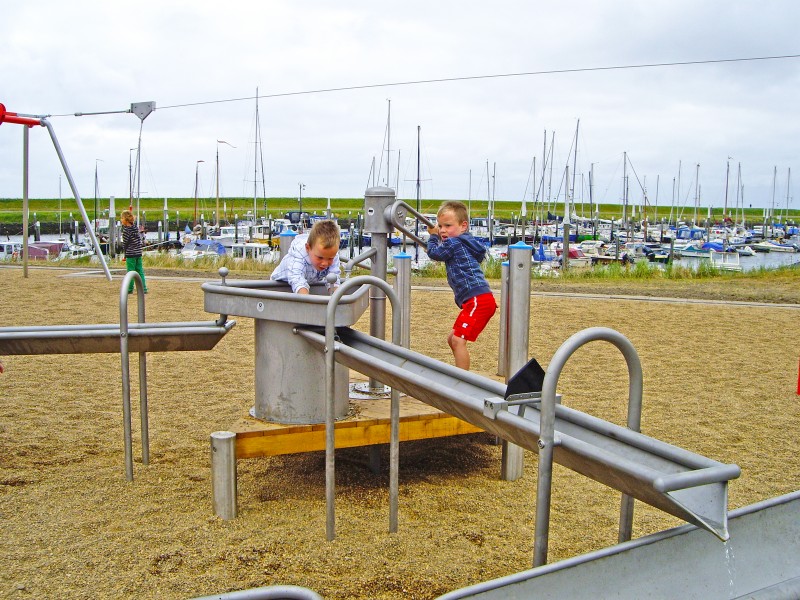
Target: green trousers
{"x":135,"y":264}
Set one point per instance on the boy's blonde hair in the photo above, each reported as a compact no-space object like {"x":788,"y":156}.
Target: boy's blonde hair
{"x":126,"y":217}
{"x":324,"y":233}
{"x":459,"y":210}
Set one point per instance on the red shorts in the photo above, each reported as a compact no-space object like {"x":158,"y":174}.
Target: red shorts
{"x":475,"y":314}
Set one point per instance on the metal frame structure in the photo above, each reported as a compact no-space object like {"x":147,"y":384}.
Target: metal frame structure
{"x":32,"y":121}
{"x":124,"y":338}
{"x":679,"y":482}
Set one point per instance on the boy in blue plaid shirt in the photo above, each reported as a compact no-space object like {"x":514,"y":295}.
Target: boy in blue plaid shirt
{"x":311,"y":258}
{"x":462,"y":254}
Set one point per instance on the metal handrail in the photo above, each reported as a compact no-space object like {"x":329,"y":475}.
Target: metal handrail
{"x":356,"y":260}
{"x":330,"y":440}
{"x":394,"y":214}
{"x":547,"y":429}
{"x":132,"y":276}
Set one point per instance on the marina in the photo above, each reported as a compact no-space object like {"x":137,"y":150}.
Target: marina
{"x":261,"y":243}
{"x":288,"y":408}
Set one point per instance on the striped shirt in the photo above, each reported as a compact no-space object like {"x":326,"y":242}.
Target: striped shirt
{"x":296,"y":267}
{"x":131,"y":241}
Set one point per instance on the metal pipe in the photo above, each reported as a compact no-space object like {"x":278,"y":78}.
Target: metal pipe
{"x":272,"y":592}
{"x":359,"y":259}
{"x":84,"y":216}
{"x":47,"y":331}
{"x":502,"y":348}
{"x":679,"y":481}
{"x":547,"y":426}
{"x":286,"y":239}
{"x":126,"y":379}
{"x":402,"y":284}
{"x":330,"y":446}
{"x":223,"y":474}
{"x":519,"y":294}
{"x":377,"y":299}
{"x":25,"y":144}
{"x":395,"y":214}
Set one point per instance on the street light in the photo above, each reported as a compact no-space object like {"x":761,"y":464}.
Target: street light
{"x":196,"y":171}
{"x":300,"y":201}
{"x":96,"y":186}
{"x":232,"y":146}
{"x":130,"y":176}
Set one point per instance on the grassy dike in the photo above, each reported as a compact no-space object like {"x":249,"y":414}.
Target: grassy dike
{"x":47,"y":209}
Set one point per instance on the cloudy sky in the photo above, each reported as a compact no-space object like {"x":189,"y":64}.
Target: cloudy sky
{"x":201,"y":62}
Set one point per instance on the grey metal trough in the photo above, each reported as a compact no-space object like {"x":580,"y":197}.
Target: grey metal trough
{"x":679,"y":482}
{"x":760,"y":561}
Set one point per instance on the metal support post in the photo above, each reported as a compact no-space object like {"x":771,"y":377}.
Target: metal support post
{"x":502,"y":350}
{"x":286,"y":239}
{"x":402,"y":287}
{"x":519,"y":302}
{"x":223,"y":474}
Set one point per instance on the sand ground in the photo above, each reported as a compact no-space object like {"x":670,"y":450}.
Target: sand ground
{"x":719,"y":380}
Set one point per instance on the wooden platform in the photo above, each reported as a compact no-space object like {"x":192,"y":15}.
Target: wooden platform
{"x":368,"y":425}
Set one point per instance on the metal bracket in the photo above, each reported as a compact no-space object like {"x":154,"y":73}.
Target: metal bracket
{"x":492,"y":406}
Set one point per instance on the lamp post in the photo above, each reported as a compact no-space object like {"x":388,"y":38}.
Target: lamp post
{"x":232,"y":146}
{"x":302,"y":186}
{"x":130,"y":179}
{"x":96,"y":186}
{"x":196,"y":172}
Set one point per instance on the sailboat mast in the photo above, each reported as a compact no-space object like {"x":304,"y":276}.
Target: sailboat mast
{"x":655,"y":216}
{"x":488,"y":198}
{"x":624,"y":188}
{"x":469,"y":195}
{"x":419,"y":207}
{"x":575,"y":160}
{"x":738,"y":189}
{"x":696,"y":193}
{"x":727,"y":173}
{"x":788,"y":180}
{"x":550,"y":179}
{"x":389,"y":144}
{"x":255,"y":168}
{"x":774,"y":183}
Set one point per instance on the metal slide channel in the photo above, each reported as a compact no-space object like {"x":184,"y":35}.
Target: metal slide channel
{"x":89,"y":339}
{"x":679,"y":482}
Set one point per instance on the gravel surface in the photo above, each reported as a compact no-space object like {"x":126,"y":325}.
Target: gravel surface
{"x":719,"y":380}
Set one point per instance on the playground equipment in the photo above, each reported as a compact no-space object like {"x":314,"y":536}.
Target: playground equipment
{"x":679,"y":482}
{"x":759,"y":561}
{"x":124,"y":338}
{"x":32,"y":121}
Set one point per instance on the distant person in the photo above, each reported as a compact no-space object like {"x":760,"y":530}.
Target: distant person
{"x":311,"y":258}
{"x":132,"y":244}
{"x":462,"y":254}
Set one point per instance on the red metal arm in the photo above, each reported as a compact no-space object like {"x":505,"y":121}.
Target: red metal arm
{"x":12,"y":117}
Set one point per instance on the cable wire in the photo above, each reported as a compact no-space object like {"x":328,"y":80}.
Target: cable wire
{"x":453,"y":79}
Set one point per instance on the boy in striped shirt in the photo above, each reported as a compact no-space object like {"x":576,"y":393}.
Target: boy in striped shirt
{"x":132,"y":243}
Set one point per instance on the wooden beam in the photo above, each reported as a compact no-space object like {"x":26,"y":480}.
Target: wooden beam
{"x":252,"y":441}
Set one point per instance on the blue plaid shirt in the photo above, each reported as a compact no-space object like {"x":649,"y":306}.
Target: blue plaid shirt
{"x":296,"y":267}
{"x":462,"y":258}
